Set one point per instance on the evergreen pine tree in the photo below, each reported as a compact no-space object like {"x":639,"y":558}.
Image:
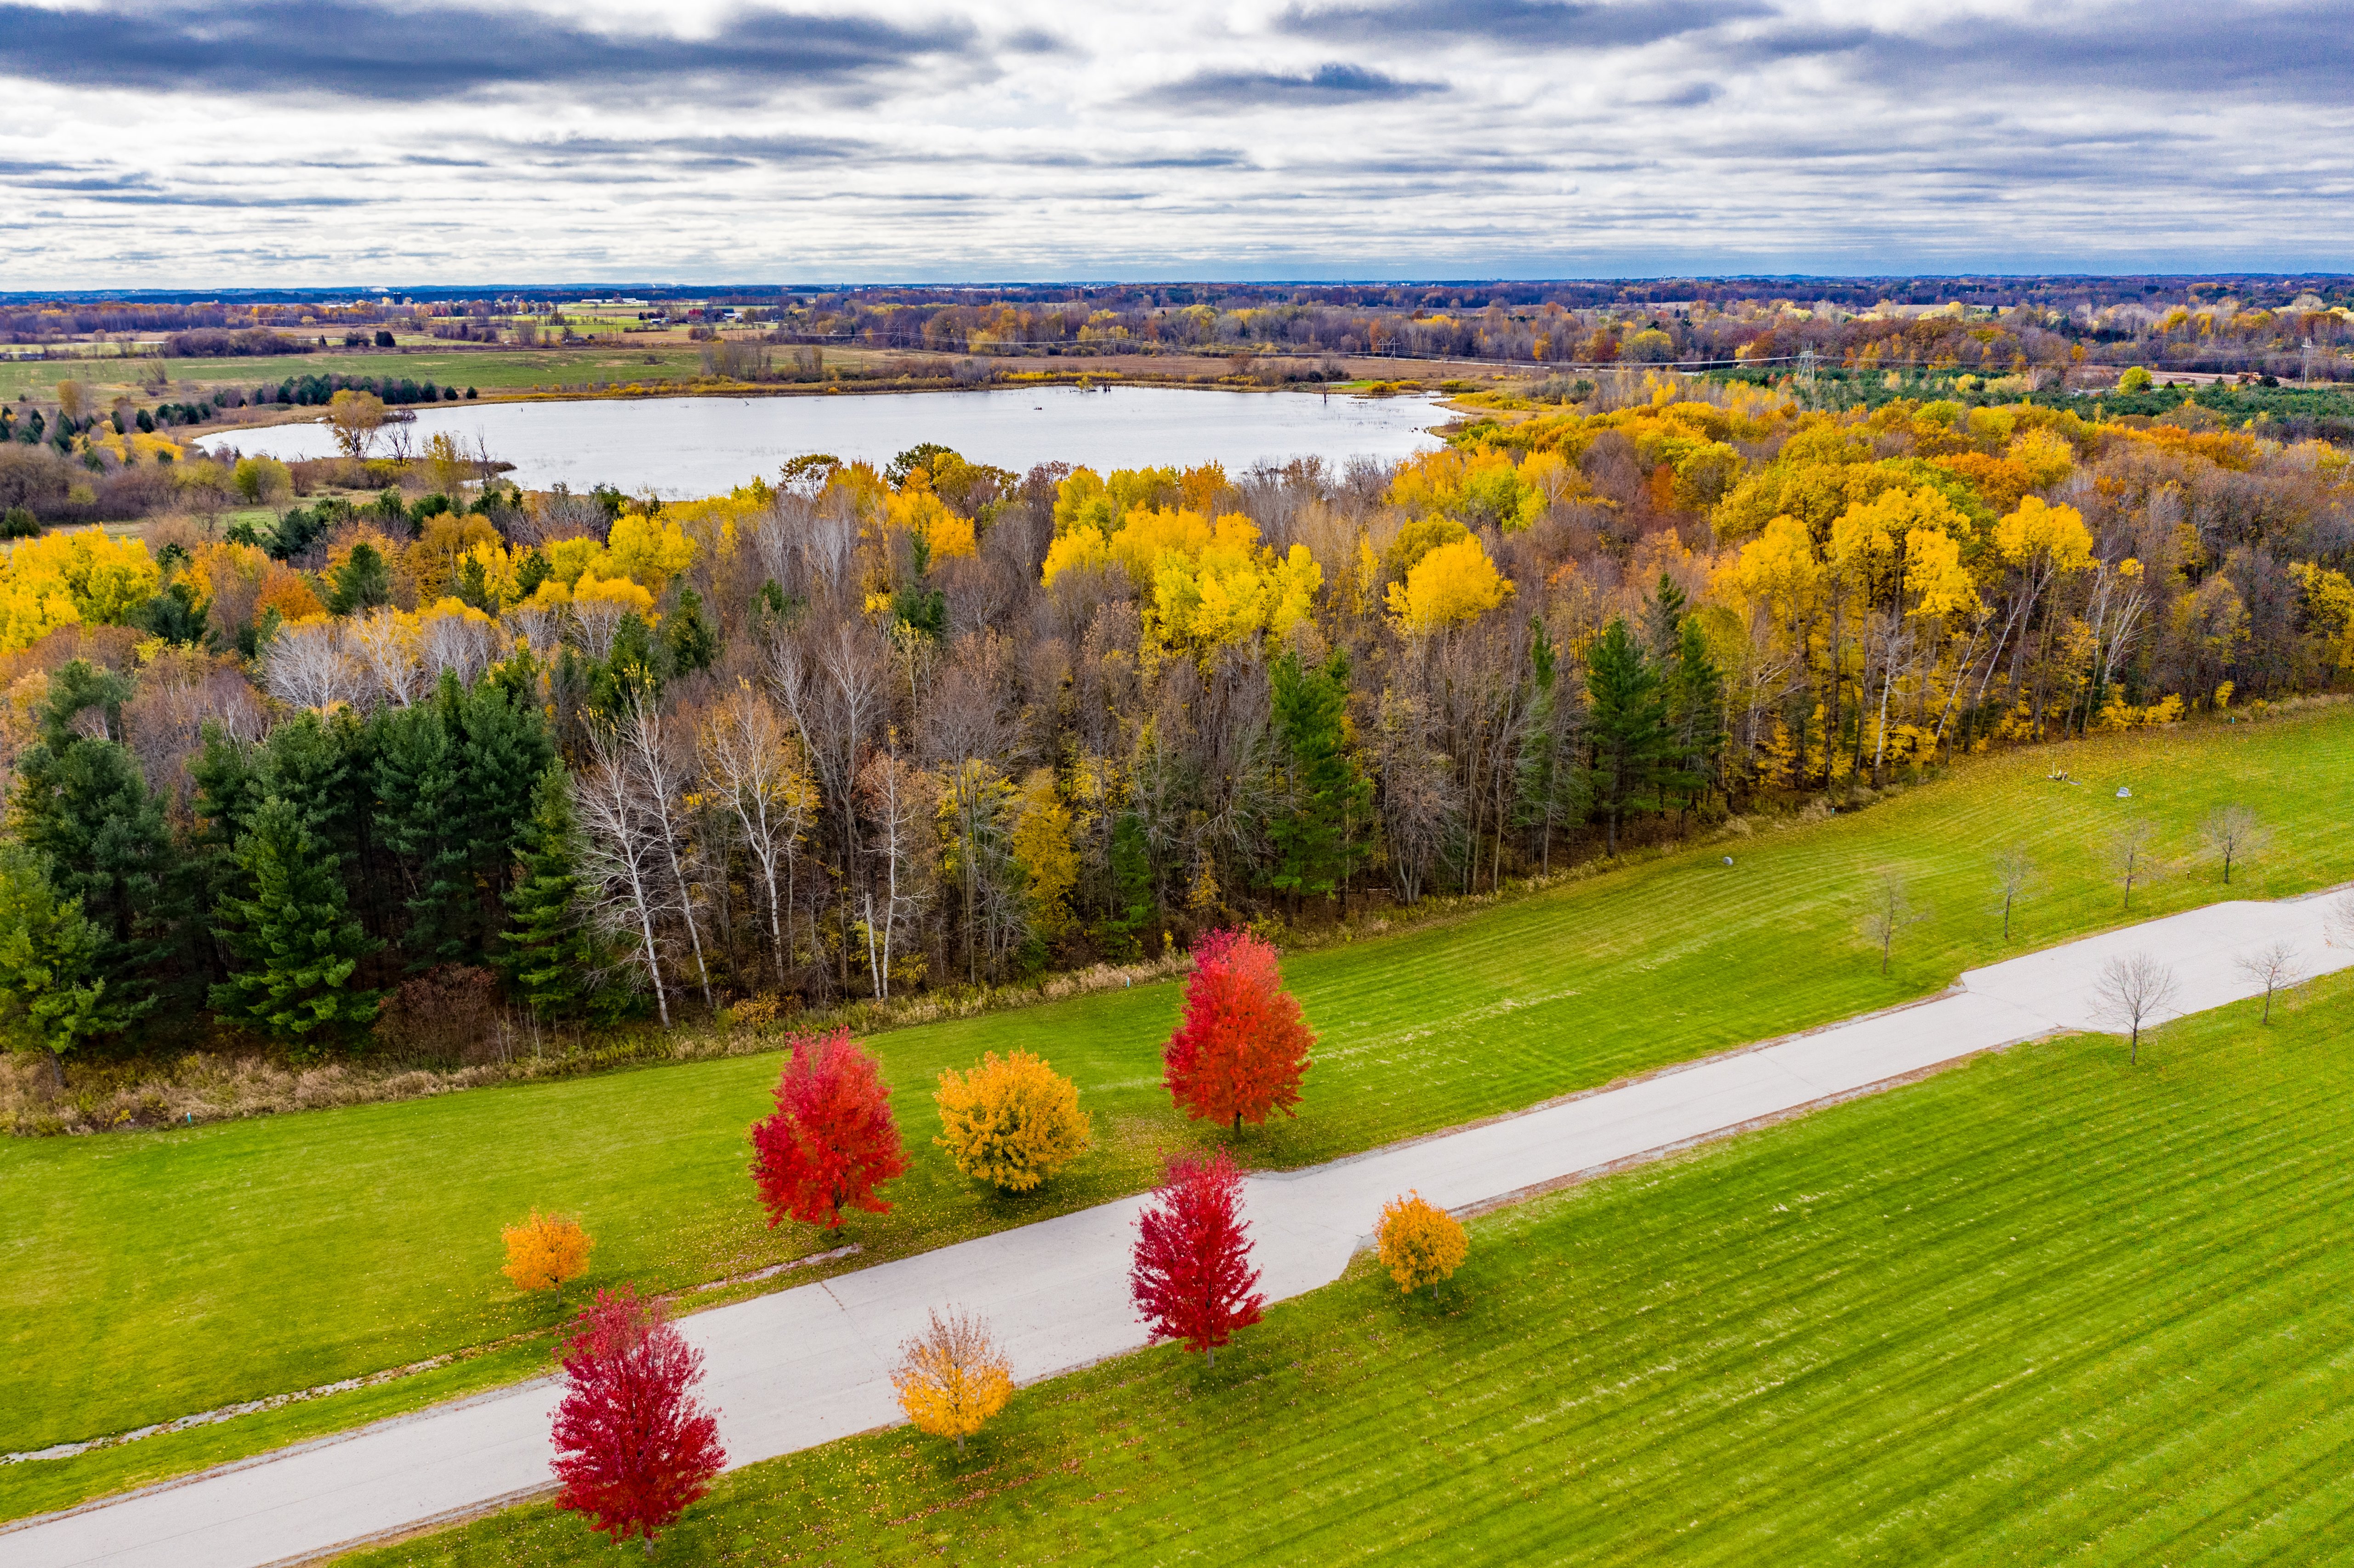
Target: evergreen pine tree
{"x":363,"y":582}
{"x":51,"y":994}
{"x":1696,"y":712}
{"x":549,"y":955}
{"x":1131,"y":878}
{"x":1549,"y":788}
{"x":1326,"y":800}
{"x":504,"y":750}
{"x":1663,"y":622}
{"x":694,"y":641}
{"x":1625,"y":722}
{"x":417,"y":776}
{"x":294,"y":940}
{"x":83,"y":804}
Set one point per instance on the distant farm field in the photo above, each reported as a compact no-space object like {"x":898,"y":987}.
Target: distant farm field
{"x":148,"y":1275}
{"x":2043,"y":1308}
{"x":491,"y":369}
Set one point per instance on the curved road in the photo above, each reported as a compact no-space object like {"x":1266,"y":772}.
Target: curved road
{"x":808,"y":1365}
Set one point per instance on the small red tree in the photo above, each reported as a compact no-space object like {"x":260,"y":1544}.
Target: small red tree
{"x":1192,"y":1276}
{"x":832,"y":1141}
{"x":633,"y":1447}
{"x":1241,"y":1048}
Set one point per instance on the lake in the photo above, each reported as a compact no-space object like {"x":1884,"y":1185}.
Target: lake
{"x":700,"y":446}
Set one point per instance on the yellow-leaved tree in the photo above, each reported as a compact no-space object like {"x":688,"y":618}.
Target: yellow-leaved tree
{"x":63,"y":578}
{"x":1041,"y":846}
{"x":1453,"y":583}
{"x":546,"y":1251}
{"x":354,"y":417}
{"x":1012,"y":1121}
{"x":951,"y":1378}
{"x":1420,"y":1243}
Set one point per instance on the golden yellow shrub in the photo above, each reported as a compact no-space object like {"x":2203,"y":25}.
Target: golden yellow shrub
{"x":1421,"y":1244}
{"x":544,"y":1251}
{"x":950,"y":1378}
{"x":1011,"y":1121}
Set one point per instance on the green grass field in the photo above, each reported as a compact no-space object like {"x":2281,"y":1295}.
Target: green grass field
{"x":490,"y":369}
{"x":149,"y":1275}
{"x":2043,"y":1308}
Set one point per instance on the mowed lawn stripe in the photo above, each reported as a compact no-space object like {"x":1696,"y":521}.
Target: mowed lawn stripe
{"x":149,"y":1275}
{"x":1729,"y":1358}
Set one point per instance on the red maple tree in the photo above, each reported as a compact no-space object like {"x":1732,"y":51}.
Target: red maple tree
{"x":832,"y":1141}
{"x":1241,"y":1048}
{"x":1191,"y":1276}
{"x":633,"y":1447}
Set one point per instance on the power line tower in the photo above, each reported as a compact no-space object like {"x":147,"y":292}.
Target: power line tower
{"x":1807,"y":368}
{"x":2305,"y":373}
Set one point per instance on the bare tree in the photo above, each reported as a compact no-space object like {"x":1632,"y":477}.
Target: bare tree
{"x":2234,"y":833}
{"x":2274,"y":966}
{"x":623,"y":862}
{"x":1419,"y":801}
{"x":892,"y":792}
{"x":750,"y":763}
{"x":662,"y":778}
{"x":2130,"y":854}
{"x":2014,"y":876}
{"x":2134,"y":989}
{"x":2337,"y":920}
{"x":385,"y":643}
{"x":833,"y":685}
{"x":306,"y":666}
{"x":1889,"y":912}
{"x":969,"y":731}
{"x":466,"y":644}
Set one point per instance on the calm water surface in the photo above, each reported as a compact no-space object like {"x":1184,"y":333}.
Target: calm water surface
{"x":697,"y":446}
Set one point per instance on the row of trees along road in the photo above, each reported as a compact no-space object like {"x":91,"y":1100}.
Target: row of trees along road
{"x":860,"y":732}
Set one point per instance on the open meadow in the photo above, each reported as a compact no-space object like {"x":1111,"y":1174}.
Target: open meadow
{"x":2044,"y":1306}
{"x":154,"y":1275}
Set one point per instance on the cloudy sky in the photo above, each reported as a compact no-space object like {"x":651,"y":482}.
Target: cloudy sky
{"x":217,"y":142}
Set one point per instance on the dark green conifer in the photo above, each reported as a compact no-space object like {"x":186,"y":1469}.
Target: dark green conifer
{"x":295,"y":944}
{"x":1325,"y":802}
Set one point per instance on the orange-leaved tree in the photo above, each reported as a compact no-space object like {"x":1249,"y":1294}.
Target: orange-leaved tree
{"x":1241,"y":1048}
{"x":1421,"y":1244}
{"x":832,"y":1141}
{"x":546,"y":1251}
{"x":951,"y":1378}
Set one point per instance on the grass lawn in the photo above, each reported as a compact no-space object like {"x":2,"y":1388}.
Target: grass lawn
{"x":149,"y":1275}
{"x":2042,"y":1307}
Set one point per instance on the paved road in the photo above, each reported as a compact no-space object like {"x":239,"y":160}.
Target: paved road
{"x":804,"y":1366}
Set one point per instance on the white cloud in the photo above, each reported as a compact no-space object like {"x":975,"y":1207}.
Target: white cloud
{"x":248,"y":140}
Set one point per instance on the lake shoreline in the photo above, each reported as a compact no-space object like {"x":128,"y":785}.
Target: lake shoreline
{"x":681,"y":444}
{"x":310,"y":414}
